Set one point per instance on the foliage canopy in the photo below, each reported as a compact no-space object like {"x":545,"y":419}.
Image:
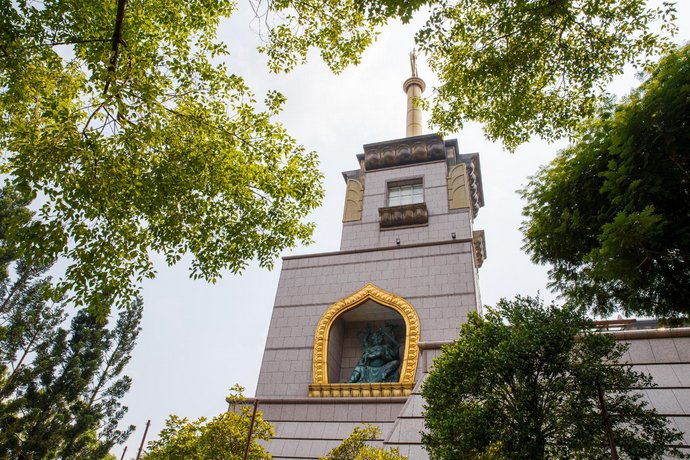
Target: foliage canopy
{"x":60,"y":388}
{"x":117,"y":118}
{"x":224,"y":436}
{"x":523,"y":383}
{"x":610,"y":213}
{"x":521,"y":68}
{"x":356,"y":447}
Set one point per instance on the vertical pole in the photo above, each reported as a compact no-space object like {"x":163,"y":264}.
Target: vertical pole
{"x":607,"y":425}
{"x":123,"y":453}
{"x":251,"y":429}
{"x":143,"y":438}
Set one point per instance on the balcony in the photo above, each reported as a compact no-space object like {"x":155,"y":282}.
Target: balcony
{"x":405,"y":215}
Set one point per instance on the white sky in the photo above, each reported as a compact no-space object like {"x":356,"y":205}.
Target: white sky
{"x":198,"y":340}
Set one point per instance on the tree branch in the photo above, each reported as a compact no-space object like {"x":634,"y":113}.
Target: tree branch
{"x":69,"y":42}
{"x":117,"y":39}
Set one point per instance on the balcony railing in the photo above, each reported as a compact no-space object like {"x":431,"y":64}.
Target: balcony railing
{"x":407,"y":214}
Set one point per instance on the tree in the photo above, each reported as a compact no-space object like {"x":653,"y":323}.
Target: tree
{"x":65,"y":402}
{"x":609,"y":213}
{"x":356,"y":447}
{"x":119,"y":120}
{"x":59,"y":388}
{"x":225,"y":436}
{"x":521,"y":68}
{"x":523,"y":382}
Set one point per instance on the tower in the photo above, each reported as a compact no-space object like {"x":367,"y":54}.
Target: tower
{"x":353,"y":332}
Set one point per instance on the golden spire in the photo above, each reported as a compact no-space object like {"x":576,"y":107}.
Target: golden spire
{"x":414,"y":87}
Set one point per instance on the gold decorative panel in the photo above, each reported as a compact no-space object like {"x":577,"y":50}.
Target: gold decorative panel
{"x":359,"y":390}
{"x":321,"y":386}
{"x":479,"y":247}
{"x":458,"y":193}
{"x":353,"y":201}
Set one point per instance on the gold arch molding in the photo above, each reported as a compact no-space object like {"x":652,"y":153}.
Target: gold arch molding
{"x":408,"y":369}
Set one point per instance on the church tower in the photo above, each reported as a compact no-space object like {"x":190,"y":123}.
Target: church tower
{"x":354,"y":332}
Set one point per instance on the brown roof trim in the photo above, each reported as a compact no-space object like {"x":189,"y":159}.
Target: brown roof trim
{"x":383,"y":248}
{"x":641,"y":334}
{"x":307,"y":400}
{"x":435,"y":345}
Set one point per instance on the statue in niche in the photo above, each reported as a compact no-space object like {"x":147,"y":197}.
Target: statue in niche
{"x":380,"y":362}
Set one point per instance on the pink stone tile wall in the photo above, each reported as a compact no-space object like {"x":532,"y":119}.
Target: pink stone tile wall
{"x":667,"y":360}
{"x":335,"y":350}
{"x":437,"y":280}
{"x":442,"y":222}
{"x":310,"y":429}
{"x":379,"y":410}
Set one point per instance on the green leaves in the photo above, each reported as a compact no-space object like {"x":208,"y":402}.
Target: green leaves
{"x":533,"y":68}
{"x":152,"y":148}
{"x":341,"y":30}
{"x":60,"y":389}
{"x":606,"y":212}
{"x":522,"y":383}
{"x":356,"y":447}
{"x":521,"y":68}
{"x":225,"y":436}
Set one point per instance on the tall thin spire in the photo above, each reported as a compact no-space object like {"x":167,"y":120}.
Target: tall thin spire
{"x":414,"y":87}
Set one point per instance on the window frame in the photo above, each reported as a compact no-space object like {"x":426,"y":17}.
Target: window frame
{"x":416,"y":195}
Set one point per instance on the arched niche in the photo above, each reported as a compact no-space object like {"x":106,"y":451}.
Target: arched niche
{"x":340,"y":321}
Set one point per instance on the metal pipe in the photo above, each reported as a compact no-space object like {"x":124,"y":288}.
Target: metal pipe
{"x":251,"y":429}
{"x":143,"y":438}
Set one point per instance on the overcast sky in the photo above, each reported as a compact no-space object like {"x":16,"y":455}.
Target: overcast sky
{"x":198,"y":340}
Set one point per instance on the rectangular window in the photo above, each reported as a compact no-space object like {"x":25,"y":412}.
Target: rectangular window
{"x":408,"y":193}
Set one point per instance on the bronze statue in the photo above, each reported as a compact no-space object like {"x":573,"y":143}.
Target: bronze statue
{"x":380,"y":362}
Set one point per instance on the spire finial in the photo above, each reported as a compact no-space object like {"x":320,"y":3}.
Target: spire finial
{"x":413,"y":62}
{"x":413,"y":87}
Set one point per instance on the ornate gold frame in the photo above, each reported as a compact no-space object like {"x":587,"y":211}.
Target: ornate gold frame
{"x":408,"y":369}
{"x":360,"y":390}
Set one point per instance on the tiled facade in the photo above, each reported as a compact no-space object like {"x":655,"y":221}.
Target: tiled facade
{"x":436,"y":279}
{"x":665,"y":355}
{"x":442,"y":222}
{"x":433,"y":267}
